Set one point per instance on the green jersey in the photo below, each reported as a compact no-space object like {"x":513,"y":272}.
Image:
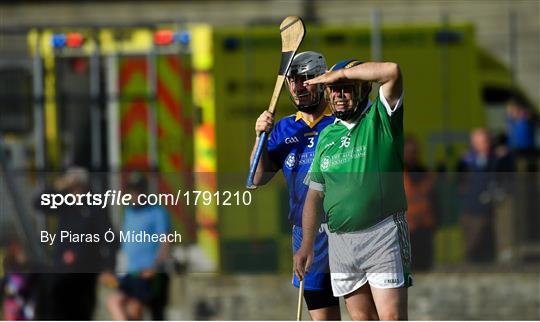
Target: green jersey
{"x":359,"y":167}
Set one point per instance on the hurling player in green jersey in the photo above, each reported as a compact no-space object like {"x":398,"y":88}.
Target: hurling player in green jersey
{"x":356,"y":178}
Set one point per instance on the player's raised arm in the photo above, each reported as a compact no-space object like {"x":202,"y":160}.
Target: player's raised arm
{"x":387,"y":74}
{"x":265,"y":168}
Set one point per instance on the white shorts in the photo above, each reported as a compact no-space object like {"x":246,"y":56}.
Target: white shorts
{"x":380,"y":255}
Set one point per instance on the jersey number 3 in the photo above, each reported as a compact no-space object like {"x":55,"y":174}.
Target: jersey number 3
{"x":311,"y":142}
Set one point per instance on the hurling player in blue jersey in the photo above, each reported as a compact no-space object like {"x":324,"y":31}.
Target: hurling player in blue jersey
{"x":291,"y":148}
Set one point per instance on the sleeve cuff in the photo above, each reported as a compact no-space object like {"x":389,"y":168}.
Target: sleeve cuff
{"x":389,"y":109}
{"x":316,"y":186}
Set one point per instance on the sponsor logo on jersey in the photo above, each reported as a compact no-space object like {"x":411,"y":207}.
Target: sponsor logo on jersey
{"x":290,"y":161}
{"x":293,"y":160}
{"x":306,"y":158}
{"x":325,"y":163}
{"x":292,"y":139}
{"x":342,"y":158}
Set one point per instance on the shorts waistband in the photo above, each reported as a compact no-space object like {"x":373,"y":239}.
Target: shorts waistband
{"x":398,"y":216}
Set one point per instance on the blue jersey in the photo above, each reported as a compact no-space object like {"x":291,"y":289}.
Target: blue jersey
{"x":291,"y":147}
{"x":149,"y":219}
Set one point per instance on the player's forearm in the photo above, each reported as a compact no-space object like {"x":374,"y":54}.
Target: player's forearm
{"x":313,"y":208}
{"x":373,"y":72}
{"x":387,"y":74}
{"x":265,"y":170}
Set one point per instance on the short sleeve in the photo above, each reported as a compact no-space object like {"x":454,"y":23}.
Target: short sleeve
{"x":390,"y":116}
{"x":273,"y":148}
{"x":390,"y":110}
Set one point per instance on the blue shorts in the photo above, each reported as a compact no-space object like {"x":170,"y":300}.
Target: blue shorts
{"x":316,"y":279}
{"x":147,"y":290}
{"x":136,"y":287}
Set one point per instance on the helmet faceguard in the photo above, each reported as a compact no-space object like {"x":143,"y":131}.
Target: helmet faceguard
{"x":349,"y":93}
{"x":306,"y":65}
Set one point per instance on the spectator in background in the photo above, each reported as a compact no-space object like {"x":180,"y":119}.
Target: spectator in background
{"x":19,"y":290}
{"x":70,"y":292}
{"x":505,"y":166}
{"x":521,"y":121}
{"x":418,"y":189}
{"x":521,"y":126}
{"x":145,"y":283}
{"x":476,"y":176}
{"x":506,"y":161}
